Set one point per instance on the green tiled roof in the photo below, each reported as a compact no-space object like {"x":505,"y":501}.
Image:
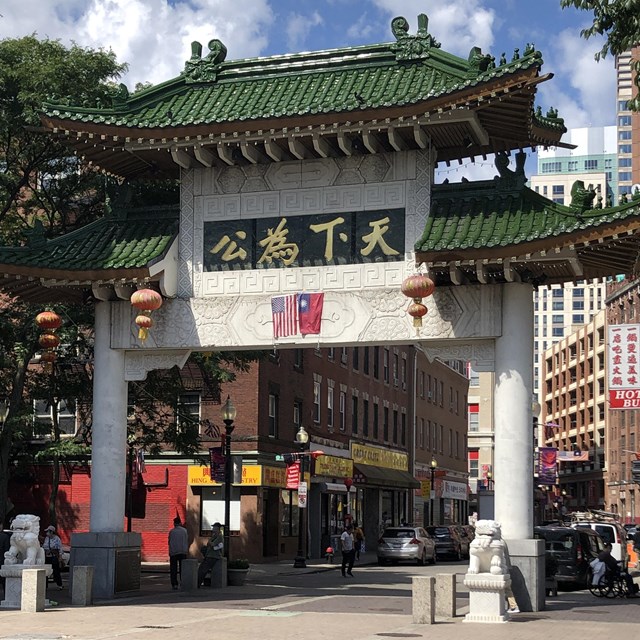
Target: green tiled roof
{"x":492,"y":214}
{"x":211,"y":90}
{"x":133,"y":240}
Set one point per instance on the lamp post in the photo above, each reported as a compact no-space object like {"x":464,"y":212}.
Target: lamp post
{"x":489,"y":481}
{"x":302,"y":437}
{"x":432,"y":493}
{"x":228,"y":416}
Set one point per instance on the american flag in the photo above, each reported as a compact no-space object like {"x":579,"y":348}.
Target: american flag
{"x":284,"y":311}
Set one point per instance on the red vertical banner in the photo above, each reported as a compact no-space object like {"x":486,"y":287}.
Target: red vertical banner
{"x":293,"y":475}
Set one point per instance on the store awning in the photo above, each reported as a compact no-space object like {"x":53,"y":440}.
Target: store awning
{"x":383,"y":477}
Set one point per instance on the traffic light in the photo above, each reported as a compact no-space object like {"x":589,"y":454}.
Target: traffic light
{"x":635,"y":471}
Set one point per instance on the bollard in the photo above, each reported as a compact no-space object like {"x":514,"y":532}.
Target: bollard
{"x":423,"y":600}
{"x":34,"y":586}
{"x":189,"y":575}
{"x":82,"y":585}
{"x":446,"y":595}
{"x":219,"y":573}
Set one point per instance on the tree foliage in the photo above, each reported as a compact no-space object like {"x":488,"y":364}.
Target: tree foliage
{"x":619,"y":22}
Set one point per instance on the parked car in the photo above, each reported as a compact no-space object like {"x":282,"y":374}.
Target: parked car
{"x":449,"y":542}
{"x":573,"y":550}
{"x":467,"y":532}
{"x":612,"y":533}
{"x":406,"y":543}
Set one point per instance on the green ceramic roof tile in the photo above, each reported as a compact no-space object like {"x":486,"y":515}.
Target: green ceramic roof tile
{"x":210,"y":90}
{"x":130,"y":240}
{"x":487,"y":215}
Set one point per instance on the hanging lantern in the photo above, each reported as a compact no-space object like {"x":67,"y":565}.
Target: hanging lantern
{"x":417,"y":311}
{"x":146,"y":300}
{"x":48,"y":357}
{"x":48,"y":320}
{"x":418,"y":286}
{"x":144,"y":324}
{"x":49,"y":341}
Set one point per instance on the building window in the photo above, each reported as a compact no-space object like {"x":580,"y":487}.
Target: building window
{"x":624,"y":121}
{"x":625,"y":162}
{"x":395,"y":426}
{"x":474,"y":455}
{"x":343,"y":355}
{"x":273,"y":415}
{"x":474,"y":417}
{"x":188,"y":409}
{"x":403,"y":429}
{"x":385,"y":365}
{"x":343,"y":410}
{"x":441,"y":393}
{"x":298,"y":358}
{"x":385,"y":424}
{"x":297,"y":413}
{"x":365,"y":418}
{"x":354,"y":414}
{"x":316,"y":401}
{"x":624,"y":148}
{"x":624,"y":135}
{"x":557,"y":305}
{"x":578,"y":305}
{"x":330,"y":406}
{"x":403,"y":373}
{"x":421,"y":384}
{"x":624,"y":176}
{"x":395,"y":369}
{"x":376,"y":416}
{"x":331,"y":353}
{"x":591,"y":164}
{"x":557,"y":319}
{"x":365,"y":364}
{"x":66,"y":410}
{"x":422,"y":433}
{"x":551,"y":167}
{"x":578,"y":318}
{"x":557,"y":332}
{"x":474,"y":378}
{"x":355,"y":355}
{"x":376,"y":363}
{"x":573,"y":165}
{"x":557,"y":190}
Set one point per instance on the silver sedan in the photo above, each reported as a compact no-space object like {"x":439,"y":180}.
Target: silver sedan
{"x":406,"y":543}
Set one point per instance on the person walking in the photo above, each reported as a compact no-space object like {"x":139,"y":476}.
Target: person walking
{"x":178,"y":548}
{"x":358,"y":536}
{"x":52,"y":546}
{"x":212,"y":553}
{"x":347,"y":545}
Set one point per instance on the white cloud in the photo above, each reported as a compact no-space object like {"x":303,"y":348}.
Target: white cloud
{"x":457,"y":24}
{"x":153,"y":36}
{"x":583,"y":90}
{"x":299,"y":26}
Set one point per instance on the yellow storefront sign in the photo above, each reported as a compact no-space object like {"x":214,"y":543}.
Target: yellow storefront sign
{"x":255,"y":475}
{"x":334,"y":467}
{"x":425,"y":488}
{"x":363,"y":454}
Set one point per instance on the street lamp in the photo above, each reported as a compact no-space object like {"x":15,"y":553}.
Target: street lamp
{"x":489,"y":481}
{"x":432,"y":494}
{"x":302,"y":437}
{"x":228,"y":416}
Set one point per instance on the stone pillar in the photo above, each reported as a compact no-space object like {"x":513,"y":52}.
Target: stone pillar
{"x":423,"y":599}
{"x":34,"y":586}
{"x":82,"y":586}
{"x":446,"y":595}
{"x":513,"y":445}
{"x":109,"y":432}
{"x":513,"y":422}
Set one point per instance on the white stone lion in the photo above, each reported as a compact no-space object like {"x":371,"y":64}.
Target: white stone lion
{"x":24,"y":541}
{"x":486,"y":552}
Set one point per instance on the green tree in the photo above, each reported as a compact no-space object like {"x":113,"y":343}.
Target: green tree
{"x":619,"y":22}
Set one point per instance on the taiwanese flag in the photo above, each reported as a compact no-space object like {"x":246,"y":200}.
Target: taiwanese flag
{"x":310,"y":312}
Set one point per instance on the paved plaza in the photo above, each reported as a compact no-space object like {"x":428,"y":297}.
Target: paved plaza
{"x":281,"y":602}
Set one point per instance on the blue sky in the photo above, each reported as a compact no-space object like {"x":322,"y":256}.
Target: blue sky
{"x":154,"y":36}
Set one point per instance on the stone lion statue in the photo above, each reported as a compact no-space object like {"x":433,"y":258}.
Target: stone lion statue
{"x":24,"y":541}
{"x":486,"y":552}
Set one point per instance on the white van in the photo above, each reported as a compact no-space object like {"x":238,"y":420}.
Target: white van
{"x":612,"y":533}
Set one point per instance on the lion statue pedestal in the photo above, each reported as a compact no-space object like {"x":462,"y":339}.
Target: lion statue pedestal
{"x":487,"y":579}
{"x":24,"y":553}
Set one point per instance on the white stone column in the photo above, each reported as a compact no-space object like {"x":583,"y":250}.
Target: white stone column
{"x":109,"y":432}
{"x":513,"y":453}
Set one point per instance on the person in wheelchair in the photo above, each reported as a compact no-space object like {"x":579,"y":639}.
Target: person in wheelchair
{"x":614,"y":569}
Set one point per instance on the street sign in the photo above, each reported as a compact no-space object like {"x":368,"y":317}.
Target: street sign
{"x":302,"y":495}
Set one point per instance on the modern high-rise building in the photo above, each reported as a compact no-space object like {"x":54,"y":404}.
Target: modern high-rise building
{"x":594,"y":161}
{"x":628,"y":125}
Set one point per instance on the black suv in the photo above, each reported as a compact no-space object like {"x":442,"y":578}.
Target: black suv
{"x":573,"y":550}
{"x":449,"y":542}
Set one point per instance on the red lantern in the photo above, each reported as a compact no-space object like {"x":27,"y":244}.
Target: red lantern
{"x":48,"y":356}
{"x":417,"y":311}
{"x":48,"y":320}
{"x":418,"y":286}
{"x":144,"y":323}
{"x":146,"y":300}
{"x":347,"y":483}
{"x":48,"y":341}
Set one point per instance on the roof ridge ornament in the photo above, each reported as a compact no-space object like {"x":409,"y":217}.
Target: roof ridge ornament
{"x":582,"y":198}
{"x":410,"y":47}
{"x":509,"y":180}
{"x":198,"y":69}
